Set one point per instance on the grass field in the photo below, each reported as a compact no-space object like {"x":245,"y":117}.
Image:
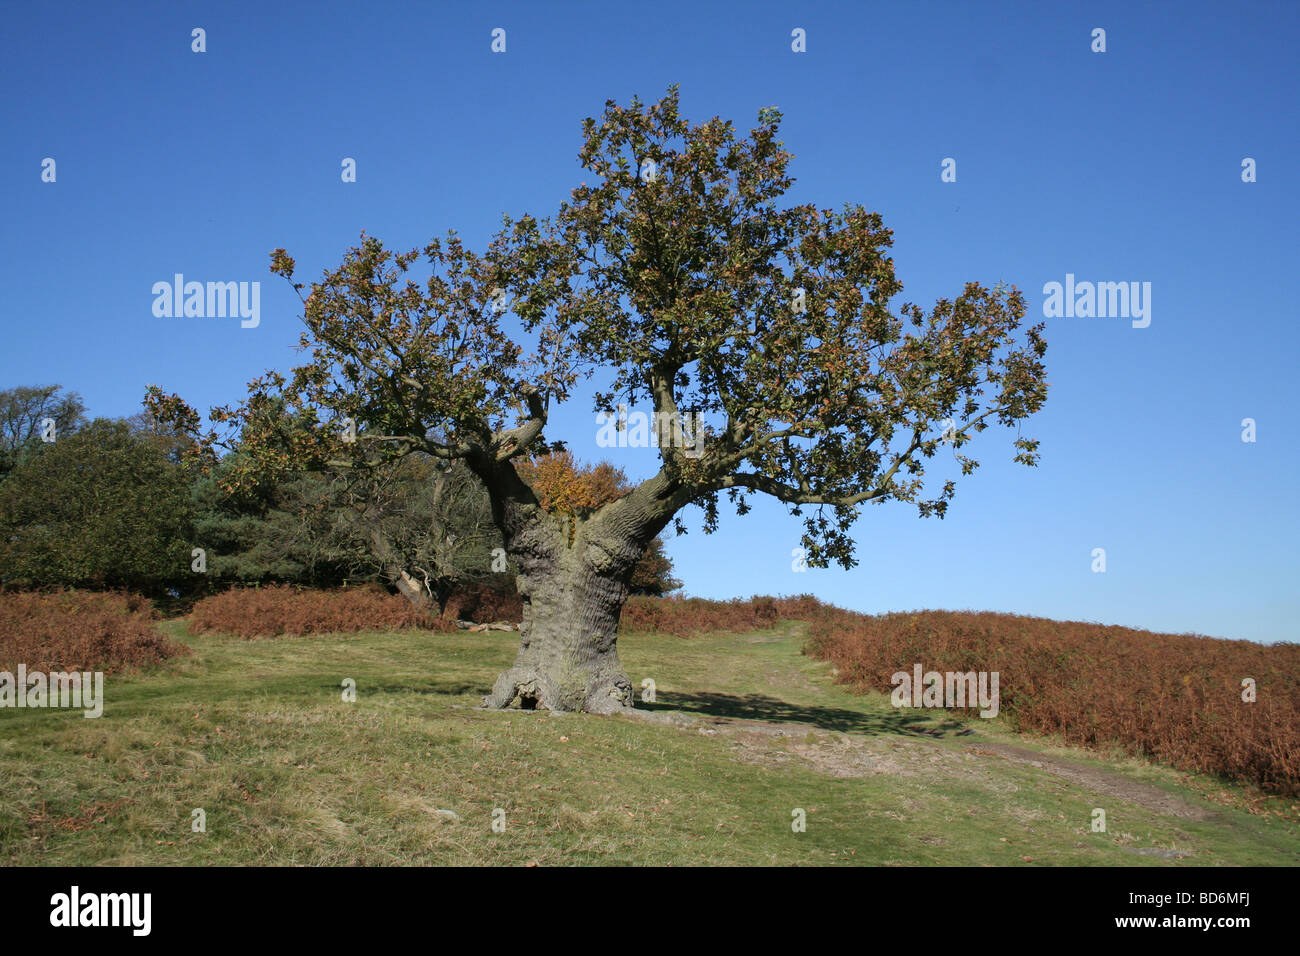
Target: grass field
{"x":745,"y":730}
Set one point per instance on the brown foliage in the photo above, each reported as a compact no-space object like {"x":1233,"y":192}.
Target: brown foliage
{"x":683,"y":617}
{"x":81,"y":631}
{"x":486,"y":604}
{"x":1175,"y":698}
{"x":564,"y":486}
{"x":281,"y":609}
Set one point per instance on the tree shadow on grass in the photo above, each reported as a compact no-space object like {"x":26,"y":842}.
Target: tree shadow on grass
{"x":760,"y":707}
{"x":756,"y":707}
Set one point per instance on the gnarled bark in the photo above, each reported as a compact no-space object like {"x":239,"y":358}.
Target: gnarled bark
{"x":568,"y":654}
{"x":573,"y":578}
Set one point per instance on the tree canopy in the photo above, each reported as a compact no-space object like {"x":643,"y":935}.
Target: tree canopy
{"x":678,"y":272}
{"x":25,"y":412}
{"x":677,"y":275}
{"x":104,"y":506}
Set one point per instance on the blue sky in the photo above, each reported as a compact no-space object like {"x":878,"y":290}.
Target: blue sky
{"x":1115,"y":166}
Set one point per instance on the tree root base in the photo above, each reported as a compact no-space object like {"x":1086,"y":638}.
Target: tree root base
{"x":533,"y":691}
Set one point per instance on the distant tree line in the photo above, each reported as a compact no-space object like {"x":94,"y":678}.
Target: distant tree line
{"x":116,"y":503}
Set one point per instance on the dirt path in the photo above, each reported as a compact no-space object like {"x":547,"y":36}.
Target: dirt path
{"x":849,"y":753}
{"x":1097,"y":780}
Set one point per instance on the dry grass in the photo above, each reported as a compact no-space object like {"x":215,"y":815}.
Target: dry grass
{"x":687,"y":617}
{"x":281,"y":609}
{"x":80,"y":631}
{"x":1175,"y":698}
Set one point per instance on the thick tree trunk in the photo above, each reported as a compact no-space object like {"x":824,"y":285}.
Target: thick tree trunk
{"x":573,"y":578}
{"x":568,"y":654}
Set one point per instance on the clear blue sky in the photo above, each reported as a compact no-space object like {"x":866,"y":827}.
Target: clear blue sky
{"x":1115,"y":166}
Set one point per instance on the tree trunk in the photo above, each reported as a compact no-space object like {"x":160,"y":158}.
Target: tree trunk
{"x":573,"y":578}
{"x":410,"y":587}
{"x":568,"y":654}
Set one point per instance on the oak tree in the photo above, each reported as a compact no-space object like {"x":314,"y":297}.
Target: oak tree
{"x":676,"y":273}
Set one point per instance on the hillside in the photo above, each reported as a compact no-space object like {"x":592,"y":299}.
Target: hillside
{"x":745,"y":730}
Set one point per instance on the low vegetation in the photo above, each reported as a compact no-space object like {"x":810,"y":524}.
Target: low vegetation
{"x":1176,"y":698}
{"x":744,"y":734}
{"x":281,"y":609}
{"x":81,"y":631}
{"x":686,"y":617}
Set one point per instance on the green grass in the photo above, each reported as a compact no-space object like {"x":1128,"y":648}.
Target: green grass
{"x":745,"y":729}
